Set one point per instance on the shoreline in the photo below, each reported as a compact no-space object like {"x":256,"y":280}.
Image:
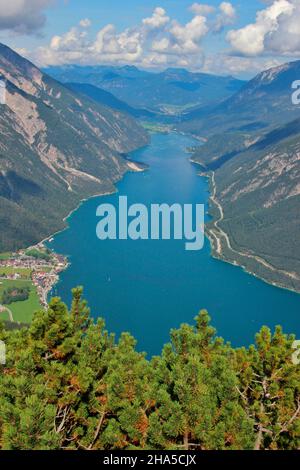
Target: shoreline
{"x":212,"y":236}
{"x":38,"y":272}
{"x":51,"y":237}
{"x":216,"y":235}
{"x":247,"y":270}
{"x":65,"y":219}
{"x":132,"y":167}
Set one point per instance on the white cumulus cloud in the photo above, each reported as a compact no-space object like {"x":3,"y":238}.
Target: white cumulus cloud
{"x":226,"y":16}
{"x":188,"y":37}
{"x":85,"y":23}
{"x":23,"y":16}
{"x":158,"y":19}
{"x":202,"y":9}
{"x":275,"y":30}
{"x":157,"y":41}
{"x":238,"y":66}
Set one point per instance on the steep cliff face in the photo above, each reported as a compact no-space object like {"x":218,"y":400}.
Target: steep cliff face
{"x":56,"y":147}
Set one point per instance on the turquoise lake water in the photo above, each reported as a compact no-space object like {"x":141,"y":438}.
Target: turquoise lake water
{"x":149,"y":287}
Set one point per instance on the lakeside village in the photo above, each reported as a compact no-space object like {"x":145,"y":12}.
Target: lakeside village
{"x":26,"y":278}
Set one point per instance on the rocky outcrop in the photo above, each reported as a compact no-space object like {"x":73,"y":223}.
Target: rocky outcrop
{"x":57,"y":147}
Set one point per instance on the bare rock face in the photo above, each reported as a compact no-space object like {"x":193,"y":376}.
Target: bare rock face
{"x":57,"y":147}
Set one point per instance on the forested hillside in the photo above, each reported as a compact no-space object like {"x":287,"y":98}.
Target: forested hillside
{"x":252,"y":144}
{"x":57,"y":148}
{"x":259,"y":191}
{"x":69,"y":384}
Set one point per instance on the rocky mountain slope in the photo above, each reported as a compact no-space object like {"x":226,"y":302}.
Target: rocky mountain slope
{"x":56,"y":148}
{"x":255,"y":174}
{"x":261,"y":104}
{"x":259,"y":193}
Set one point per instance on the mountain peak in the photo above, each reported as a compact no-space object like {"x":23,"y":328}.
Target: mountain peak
{"x":19,"y":71}
{"x":283,"y":74}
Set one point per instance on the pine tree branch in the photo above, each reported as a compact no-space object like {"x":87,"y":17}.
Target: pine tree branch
{"x":61,"y":414}
{"x":259,"y":438}
{"x":290,"y":422}
{"x":102,"y":417}
{"x":241,"y":394}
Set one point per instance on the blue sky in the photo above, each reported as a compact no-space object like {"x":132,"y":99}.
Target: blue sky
{"x":236,"y":37}
{"x":126,"y":13}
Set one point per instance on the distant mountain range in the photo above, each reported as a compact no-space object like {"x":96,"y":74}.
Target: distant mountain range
{"x":57,"y":147}
{"x":253,"y":146}
{"x":108,"y":99}
{"x":170,"y":92}
{"x":261,"y":104}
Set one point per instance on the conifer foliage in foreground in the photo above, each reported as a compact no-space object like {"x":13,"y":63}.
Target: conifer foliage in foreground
{"x":68,"y":384}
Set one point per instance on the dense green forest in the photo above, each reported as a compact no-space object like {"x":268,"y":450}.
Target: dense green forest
{"x":69,"y":384}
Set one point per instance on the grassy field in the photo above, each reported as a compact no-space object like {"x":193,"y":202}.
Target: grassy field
{"x":152,"y":127}
{"x":5,"y":256}
{"x":45,"y":269}
{"x":4,"y":316}
{"x":22,"y":311}
{"x":24,"y":272}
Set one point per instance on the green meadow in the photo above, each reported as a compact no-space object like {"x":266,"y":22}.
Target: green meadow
{"x":25,"y":273}
{"x":21,"y":311}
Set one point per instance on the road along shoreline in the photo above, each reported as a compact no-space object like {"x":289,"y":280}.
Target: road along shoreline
{"x":222,"y":249}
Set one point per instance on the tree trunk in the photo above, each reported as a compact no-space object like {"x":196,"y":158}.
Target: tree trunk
{"x":186,"y":440}
{"x":259,"y":438}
